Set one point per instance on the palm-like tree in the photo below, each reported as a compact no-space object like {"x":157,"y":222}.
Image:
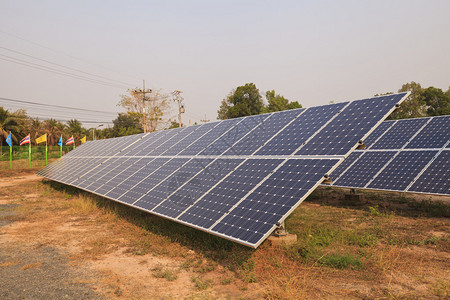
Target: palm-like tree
{"x":52,"y":128}
{"x":74,"y":128}
{"x":35,"y":128}
{"x":7,"y":124}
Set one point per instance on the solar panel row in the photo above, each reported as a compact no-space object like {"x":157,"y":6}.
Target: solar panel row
{"x":410,"y":155}
{"x":235,"y":178}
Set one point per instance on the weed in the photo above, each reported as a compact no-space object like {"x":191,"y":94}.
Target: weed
{"x":247,"y":272}
{"x":202,"y":284}
{"x":226,"y":280}
{"x":338,"y":261}
{"x":169,"y":275}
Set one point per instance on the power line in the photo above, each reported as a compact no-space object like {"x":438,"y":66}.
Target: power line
{"x":70,"y":68}
{"x":52,"y":105}
{"x":56,"y":71}
{"x":59,"y":52}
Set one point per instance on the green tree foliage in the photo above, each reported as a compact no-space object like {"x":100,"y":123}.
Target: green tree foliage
{"x":438,"y":102}
{"x":413,"y":106}
{"x":243,"y":101}
{"x":127,"y":124}
{"x":278,"y":103}
{"x":7,"y":124}
{"x":75,"y":128}
{"x":53,"y":129}
{"x":246,"y":100}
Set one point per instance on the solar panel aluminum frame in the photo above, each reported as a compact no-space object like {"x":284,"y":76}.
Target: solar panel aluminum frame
{"x":338,"y":158}
{"x":402,"y":149}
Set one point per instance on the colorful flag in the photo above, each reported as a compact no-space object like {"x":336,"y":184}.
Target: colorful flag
{"x":41,"y":139}
{"x":60,"y":142}
{"x":8,"y":140}
{"x":83,"y":140}
{"x":25,"y":140}
{"x":70,"y":141}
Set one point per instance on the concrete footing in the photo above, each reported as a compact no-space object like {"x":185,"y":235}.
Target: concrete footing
{"x":287,"y":239}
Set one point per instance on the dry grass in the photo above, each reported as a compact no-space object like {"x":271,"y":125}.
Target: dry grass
{"x":31,"y":266}
{"x":8,"y":263}
{"x":358,"y":251}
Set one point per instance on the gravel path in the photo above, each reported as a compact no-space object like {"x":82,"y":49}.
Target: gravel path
{"x":40,"y":272}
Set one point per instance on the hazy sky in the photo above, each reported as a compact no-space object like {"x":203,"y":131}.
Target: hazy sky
{"x":309,"y":51}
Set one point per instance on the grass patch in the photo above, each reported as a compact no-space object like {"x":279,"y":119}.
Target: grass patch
{"x":202,"y":284}
{"x":169,"y":275}
{"x":341,"y":261}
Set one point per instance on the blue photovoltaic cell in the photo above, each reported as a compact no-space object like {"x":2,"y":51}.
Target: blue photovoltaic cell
{"x":435,"y":134}
{"x":108,"y":180}
{"x":95,"y":172}
{"x":109,"y":170}
{"x":401,"y":171}
{"x":206,"y":211}
{"x":125,"y":171}
{"x":187,"y":194}
{"x":353,"y":123}
{"x":75,"y":168}
{"x":345,"y":164}
{"x":364,"y":169}
{"x":169,"y":139}
{"x":233,"y":135}
{"x":210,"y":137}
{"x":146,"y":167}
{"x":399,"y":134}
{"x":294,"y":135}
{"x":141,"y":190}
{"x":258,"y":213}
{"x":146,"y":144}
{"x":377,"y":133}
{"x":435,"y":178}
{"x":196,"y":181}
{"x":261,"y":134}
{"x":172,"y":183}
{"x":188,"y":140}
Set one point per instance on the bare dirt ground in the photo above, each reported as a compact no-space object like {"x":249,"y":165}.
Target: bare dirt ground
{"x":57,"y":242}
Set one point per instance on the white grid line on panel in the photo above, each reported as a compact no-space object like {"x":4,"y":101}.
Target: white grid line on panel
{"x":385,"y":132}
{"x":426,"y":167}
{"x":195,"y":156}
{"x":172,"y":157}
{"x":227,"y":157}
{"x":109,"y":157}
{"x":278,"y":167}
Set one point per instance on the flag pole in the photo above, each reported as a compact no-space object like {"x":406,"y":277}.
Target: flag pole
{"x":10,"y":153}
{"x":46,"y":162}
{"x":29,"y":153}
{"x":60,"y":147}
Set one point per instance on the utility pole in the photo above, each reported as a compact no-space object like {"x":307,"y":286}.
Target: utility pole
{"x":205,"y":120}
{"x":143,"y":92}
{"x":180,"y":107}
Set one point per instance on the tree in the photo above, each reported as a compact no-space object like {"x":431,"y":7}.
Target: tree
{"x":438,"y":102}
{"x":127,"y":124}
{"x":278,"y":103}
{"x":74,"y":128}
{"x":7,"y":124}
{"x":243,"y":101}
{"x":35,"y":128}
{"x":413,"y":106}
{"x":52,"y":128}
{"x":156,"y":107}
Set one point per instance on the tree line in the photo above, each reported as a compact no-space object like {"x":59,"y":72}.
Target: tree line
{"x":246,"y":100}
{"x":243,"y":101}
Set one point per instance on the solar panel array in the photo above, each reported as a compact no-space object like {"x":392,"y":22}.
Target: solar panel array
{"x":236,"y":178}
{"x":410,"y":155}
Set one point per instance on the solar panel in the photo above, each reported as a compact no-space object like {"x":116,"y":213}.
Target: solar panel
{"x":235,"y":178}
{"x":404,"y":155}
